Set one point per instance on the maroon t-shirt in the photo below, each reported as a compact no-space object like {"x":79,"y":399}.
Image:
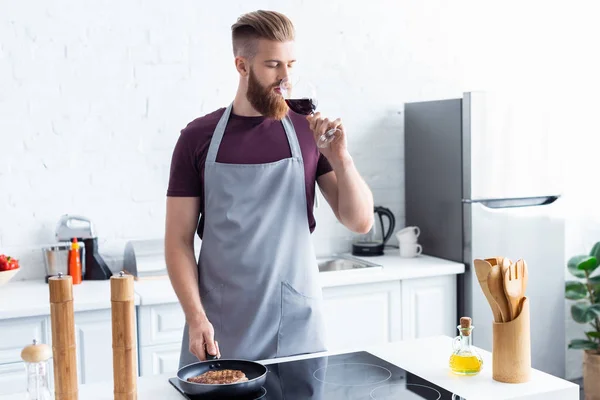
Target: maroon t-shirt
{"x":247,"y":140}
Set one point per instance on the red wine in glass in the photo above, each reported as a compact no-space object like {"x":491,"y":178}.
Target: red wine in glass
{"x":300,"y":96}
{"x":302,"y":106}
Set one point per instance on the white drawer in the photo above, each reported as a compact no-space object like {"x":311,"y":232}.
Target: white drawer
{"x":17,"y":333}
{"x":161,"y":324}
{"x":13,"y":378}
{"x":161,"y":359}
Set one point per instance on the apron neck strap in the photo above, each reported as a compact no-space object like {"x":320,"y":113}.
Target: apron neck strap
{"x":217,"y":137}
{"x":290,"y":132}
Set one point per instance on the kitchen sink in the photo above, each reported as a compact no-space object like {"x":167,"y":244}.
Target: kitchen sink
{"x":338,"y":263}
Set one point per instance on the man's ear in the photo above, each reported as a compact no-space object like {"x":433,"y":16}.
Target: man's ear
{"x":242,"y":65}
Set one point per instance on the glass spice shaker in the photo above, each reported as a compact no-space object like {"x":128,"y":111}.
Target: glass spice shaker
{"x":465,"y":360}
{"x":37,"y":364}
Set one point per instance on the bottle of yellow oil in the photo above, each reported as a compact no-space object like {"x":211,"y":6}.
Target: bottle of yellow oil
{"x":464,"y":359}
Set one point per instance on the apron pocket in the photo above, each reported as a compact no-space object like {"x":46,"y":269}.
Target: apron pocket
{"x":301,"y":328}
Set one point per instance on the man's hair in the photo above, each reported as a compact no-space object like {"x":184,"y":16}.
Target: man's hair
{"x":259,"y":24}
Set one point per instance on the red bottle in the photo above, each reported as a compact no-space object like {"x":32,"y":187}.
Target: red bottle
{"x":75,"y":262}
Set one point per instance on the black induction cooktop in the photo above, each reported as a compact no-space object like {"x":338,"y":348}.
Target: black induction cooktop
{"x":359,"y":375}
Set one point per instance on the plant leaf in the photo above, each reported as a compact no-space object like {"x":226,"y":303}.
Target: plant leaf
{"x":573,"y":265}
{"x":593,"y":334}
{"x":595,"y":280}
{"x":582,"y":313}
{"x":575,"y":290}
{"x":588,"y":263}
{"x":595,"y":308}
{"x":595,"y":252}
{"x":583,"y":344}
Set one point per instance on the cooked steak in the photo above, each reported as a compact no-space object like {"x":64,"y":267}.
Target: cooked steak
{"x":220,"y":377}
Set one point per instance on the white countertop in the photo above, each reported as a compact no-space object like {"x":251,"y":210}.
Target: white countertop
{"x":29,"y":298}
{"x":160,"y":291}
{"x":394,"y":268}
{"x":427,"y":358}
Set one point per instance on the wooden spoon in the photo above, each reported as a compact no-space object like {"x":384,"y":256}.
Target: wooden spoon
{"x":482,"y":269}
{"x":496,"y":285}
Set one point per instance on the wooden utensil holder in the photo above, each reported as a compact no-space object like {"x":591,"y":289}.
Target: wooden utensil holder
{"x":123,"y":337}
{"x":511,"y":351}
{"x":62,"y":321}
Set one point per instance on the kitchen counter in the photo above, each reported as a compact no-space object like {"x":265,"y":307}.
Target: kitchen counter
{"x":427,"y":358}
{"x":394,"y":268}
{"x":29,"y":298}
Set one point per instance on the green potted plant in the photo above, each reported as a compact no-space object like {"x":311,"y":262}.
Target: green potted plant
{"x":586,"y":310}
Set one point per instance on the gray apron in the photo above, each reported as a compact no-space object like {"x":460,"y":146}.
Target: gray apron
{"x":257,"y":270}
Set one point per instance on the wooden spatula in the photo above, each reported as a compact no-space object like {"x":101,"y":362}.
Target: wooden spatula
{"x":513,"y":286}
{"x":482,"y":269}
{"x":496,"y":285}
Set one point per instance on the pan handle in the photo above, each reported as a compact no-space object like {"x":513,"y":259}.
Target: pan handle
{"x":209,"y":357}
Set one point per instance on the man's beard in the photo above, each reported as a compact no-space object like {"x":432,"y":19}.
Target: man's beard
{"x":264,"y":100}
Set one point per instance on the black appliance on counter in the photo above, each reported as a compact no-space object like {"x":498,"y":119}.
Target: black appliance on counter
{"x":373,"y":242}
{"x":75,"y":226}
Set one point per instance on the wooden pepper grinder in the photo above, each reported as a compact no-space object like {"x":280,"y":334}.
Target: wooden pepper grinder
{"x":123,"y":337}
{"x":63,"y":337}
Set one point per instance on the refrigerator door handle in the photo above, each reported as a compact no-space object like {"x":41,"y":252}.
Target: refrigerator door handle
{"x":517,"y":202}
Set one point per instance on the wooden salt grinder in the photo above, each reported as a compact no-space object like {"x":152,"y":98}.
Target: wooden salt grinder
{"x":63,"y":337}
{"x":123,"y":337}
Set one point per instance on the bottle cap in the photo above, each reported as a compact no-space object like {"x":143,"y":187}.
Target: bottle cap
{"x":35,"y":352}
{"x":74,"y":244}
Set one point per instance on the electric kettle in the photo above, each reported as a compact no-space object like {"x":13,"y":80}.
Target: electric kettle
{"x":373,"y":242}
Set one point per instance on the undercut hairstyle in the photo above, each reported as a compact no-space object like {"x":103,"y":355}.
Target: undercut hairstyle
{"x":256,"y":25}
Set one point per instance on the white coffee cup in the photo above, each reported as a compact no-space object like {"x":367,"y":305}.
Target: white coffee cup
{"x":408,"y":234}
{"x":410,"y":249}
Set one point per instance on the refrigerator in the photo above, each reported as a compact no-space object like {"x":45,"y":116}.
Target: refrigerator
{"x":482,"y":180}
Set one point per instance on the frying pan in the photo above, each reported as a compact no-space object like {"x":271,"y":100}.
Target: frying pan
{"x":255,"y":372}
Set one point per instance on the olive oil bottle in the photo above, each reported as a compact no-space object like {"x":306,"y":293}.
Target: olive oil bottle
{"x":464,"y":359}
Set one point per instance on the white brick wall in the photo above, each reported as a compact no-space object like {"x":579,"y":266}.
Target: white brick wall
{"x":93,"y":94}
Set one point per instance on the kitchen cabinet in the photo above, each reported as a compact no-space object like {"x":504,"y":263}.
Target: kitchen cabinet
{"x":356,"y":315}
{"x":409,"y":298}
{"x":93,"y":338}
{"x":161,"y":324}
{"x":160,"y":359}
{"x":16,"y":333}
{"x":160,"y":333}
{"x":363,"y":315}
{"x":429,"y":307}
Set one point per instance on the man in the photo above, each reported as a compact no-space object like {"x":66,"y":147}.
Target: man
{"x":250,"y":170}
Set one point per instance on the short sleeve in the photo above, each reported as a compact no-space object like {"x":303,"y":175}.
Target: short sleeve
{"x":184,"y":177}
{"x":323,"y":166}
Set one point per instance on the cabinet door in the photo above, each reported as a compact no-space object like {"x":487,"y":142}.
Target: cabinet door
{"x":13,"y":378}
{"x":161,"y":324}
{"x":362,"y":315}
{"x":93,"y":335}
{"x":17,"y":333}
{"x":429,"y":307}
{"x":160,"y":359}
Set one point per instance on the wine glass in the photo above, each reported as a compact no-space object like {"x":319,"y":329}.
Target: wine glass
{"x":301,"y":97}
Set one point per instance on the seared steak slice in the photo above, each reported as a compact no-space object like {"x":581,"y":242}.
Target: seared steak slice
{"x":220,"y":377}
